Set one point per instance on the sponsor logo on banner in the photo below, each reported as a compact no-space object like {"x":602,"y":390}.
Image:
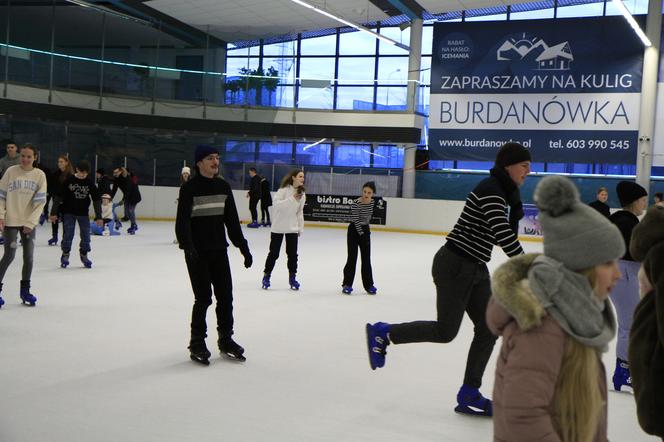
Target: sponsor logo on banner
{"x":568,"y":89}
{"x":336,"y":209}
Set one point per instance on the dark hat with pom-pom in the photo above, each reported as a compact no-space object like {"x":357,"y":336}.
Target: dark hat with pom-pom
{"x":574,"y":233}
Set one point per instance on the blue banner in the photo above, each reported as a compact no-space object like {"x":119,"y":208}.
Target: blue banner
{"x":568,"y":89}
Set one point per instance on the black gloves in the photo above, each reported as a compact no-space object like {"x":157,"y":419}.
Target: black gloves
{"x":248,"y":259}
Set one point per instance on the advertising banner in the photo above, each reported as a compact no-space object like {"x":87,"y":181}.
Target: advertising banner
{"x":568,"y":89}
{"x":336,"y":208}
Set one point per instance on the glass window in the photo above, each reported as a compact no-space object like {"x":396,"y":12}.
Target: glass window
{"x":391,"y":98}
{"x":356,"y":70}
{"x":285,"y":67}
{"x":245,"y":52}
{"x":312,"y":98}
{"x":275,"y":152}
{"x":389,"y":156}
{"x":239,"y":151}
{"x":495,"y":17}
{"x":315,"y":153}
{"x":284,"y":49}
{"x":317,"y":68}
{"x":283,"y":96}
{"x":474,"y":165}
{"x":357,"y":98}
{"x":319,"y":45}
{"x":396,"y":34}
{"x":588,"y":10}
{"x":233,"y":65}
{"x":527,"y":15}
{"x":425,"y":71}
{"x":427,"y":40}
{"x":357,"y":43}
{"x":393,"y":70}
{"x":352,"y":155}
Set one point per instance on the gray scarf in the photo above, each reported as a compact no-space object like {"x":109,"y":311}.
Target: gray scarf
{"x":568,"y":297}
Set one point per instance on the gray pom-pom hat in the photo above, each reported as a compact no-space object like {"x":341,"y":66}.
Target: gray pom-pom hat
{"x":574,"y":233}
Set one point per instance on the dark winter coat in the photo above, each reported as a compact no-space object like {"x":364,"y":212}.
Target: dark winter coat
{"x":601,"y":207}
{"x":646,"y":347}
{"x":626,"y":221}
{"x":129,"y":189}
{"x":255,"y":187}
{"x":266,"y":196}
{"x":105,"y":185}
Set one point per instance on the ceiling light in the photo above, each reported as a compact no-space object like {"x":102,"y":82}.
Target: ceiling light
{"x":352,"y":25}
{"x":628,"y":16}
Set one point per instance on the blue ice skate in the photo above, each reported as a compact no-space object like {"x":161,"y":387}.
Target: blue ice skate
{"x":266,"y":281}
{"x":346,"y":289}
{"x":53,"y":241}
{"x":372,"y":290}
{"x":470,"y":401}
{"x":64,"y":260}
{"x":86,"y":261}
{"x":294,"y":285}
{"x":27,"y":297}
{"x":377,"y":342}
{"x":622,"y":377}
{"x":253,"y":225}
{"x":2,"y":302}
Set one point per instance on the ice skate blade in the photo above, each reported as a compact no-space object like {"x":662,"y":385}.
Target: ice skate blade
{"x":200,"y":360}
{"x":234,"y":358}
{"x":473,"y":411}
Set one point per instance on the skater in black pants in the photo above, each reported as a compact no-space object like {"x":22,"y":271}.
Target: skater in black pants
{"x":266,"y":202}
{"x":359,"y":236}
{"x":254,"y":195}
{"x":205,"y":206}
{"x":490,"y":217}
{"x":288,"y":222}
{"x":56,"y":190}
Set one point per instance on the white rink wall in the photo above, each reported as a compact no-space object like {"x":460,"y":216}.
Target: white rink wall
{"x":402,"y":213}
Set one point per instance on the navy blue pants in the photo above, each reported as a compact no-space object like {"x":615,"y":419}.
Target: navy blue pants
{"x":84,"y":230}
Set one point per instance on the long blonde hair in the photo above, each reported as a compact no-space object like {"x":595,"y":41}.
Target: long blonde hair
{"x":578,"y":404}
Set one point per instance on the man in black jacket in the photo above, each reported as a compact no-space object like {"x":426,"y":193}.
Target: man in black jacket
{"x":490,"y":217}
{"x":254,"y":195}
{"x":205,"y":206}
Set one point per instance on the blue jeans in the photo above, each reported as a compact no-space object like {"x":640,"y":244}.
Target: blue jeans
{"x":130,"y":212}
{"x":84,"y":229}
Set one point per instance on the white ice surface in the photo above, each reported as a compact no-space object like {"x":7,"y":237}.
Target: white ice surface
{"x":103,"y":356}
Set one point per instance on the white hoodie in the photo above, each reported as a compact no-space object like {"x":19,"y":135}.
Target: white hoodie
{"x":287,"y":212}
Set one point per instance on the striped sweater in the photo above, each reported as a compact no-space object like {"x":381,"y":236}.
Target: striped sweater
{"x":205,"y":207}
{"x":22,"y":196}
{"x":485,"y":222}
{"x":360,"y":214}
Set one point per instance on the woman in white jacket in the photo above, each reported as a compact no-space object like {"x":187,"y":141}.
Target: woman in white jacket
{"x":288,"y":221}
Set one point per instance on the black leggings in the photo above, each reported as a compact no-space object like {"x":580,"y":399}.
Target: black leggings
{"x":461,"y":286}
{"x":291,"y":251}
{"x":265,"y":212}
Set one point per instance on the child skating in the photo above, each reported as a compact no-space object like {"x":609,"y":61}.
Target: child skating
{"x":74,"y":202}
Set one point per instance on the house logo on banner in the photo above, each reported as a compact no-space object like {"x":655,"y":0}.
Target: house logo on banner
{"x":536,"y":51}
{"x":568,"y":89}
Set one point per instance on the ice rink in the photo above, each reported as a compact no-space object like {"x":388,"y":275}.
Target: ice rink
{"x":103,"y":356}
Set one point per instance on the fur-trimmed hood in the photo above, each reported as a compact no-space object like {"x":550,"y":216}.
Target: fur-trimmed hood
{"x":512,"y":291}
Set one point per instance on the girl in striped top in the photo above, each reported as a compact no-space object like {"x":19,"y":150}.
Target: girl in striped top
{"x":359,"y":236}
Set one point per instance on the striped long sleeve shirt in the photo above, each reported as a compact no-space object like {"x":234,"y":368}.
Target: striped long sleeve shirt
{"x":360,"y":214}
{"x":484,"y":222}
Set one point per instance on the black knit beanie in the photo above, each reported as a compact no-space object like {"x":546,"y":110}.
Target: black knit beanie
{"x":512,"y":153}
{"x":628,"y":192}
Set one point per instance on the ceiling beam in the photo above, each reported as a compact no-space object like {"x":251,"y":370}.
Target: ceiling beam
{"x":410,"y":8}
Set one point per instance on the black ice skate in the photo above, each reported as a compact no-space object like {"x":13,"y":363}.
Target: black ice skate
{"x":231,"y":349}
{"x":198,"y":352}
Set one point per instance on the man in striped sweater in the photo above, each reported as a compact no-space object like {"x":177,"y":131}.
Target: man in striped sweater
{"x":490,"y":217}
